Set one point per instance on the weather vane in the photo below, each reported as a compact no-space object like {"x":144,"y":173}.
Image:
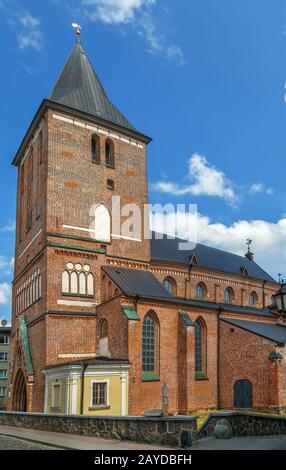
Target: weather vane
{"x":279,"y":277}
{"x":248,"y":242}
{"x":77,"y":27}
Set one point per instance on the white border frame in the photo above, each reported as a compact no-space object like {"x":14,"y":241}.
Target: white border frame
{"x":107,"y":404}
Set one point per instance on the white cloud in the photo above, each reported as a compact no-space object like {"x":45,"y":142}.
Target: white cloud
{"x":138,"y":14}
{"x":10,"y":227}
{"x":6,"y":266}
{"x":114,"y":11}
{"x":5,"y":293}
{"x":269,"y":239}
{"x":29,"y":33}
{"x":206,"y":180}
{"x":260,"y":188}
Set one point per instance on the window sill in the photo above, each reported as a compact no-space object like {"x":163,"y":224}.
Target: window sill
{"x":80,"y":296}
{"x":97,"y":408}
{"x":55,"y":408}
{"x":201,"y":376}
{"x":150,"y":377}
{"x":111,"y":167}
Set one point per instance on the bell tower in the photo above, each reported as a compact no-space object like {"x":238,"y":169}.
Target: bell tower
{"x":79,"y":153}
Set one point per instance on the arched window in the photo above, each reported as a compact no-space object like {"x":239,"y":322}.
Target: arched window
{"x":170,"y":284}
{"x":95,"y":149}
{"x":150,"y":344}
{"x":200,"y":347}
{"x":229,"y":295}
{"x":253,"y":298}
{"x":65,"y":282}
{"x":77,"y":280}
{"x":201,"y":290}
{"x":90,"y":284}
{"x":82,"y":284}
{"x":109,"y":154}
{"x":103,"y":329}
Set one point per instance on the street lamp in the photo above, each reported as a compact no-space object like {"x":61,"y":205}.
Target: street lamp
{"x":280,"y":301}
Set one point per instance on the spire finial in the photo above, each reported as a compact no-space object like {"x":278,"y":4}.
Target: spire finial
{"x":77,"y":27}
{"x":248,"y":242}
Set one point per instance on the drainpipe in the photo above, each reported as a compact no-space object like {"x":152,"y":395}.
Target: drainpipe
{"x":85,"y":366}
{"x":220,"y":310}
{"x":263,"y":293}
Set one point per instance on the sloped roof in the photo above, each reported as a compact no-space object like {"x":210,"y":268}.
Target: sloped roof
{"x":276,"y":333}
{"x":168,"y":250}
{"x":79,"y":87}
{"x":135,"y":282}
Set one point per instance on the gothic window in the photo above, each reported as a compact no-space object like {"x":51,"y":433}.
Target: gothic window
{"x":95,"y":149}
{"x":170,"y":284}
{"x":40,"y":148}
{"x":109,"y":154}
{"x":103,"y":329}
{"x":29,"y":292}
{"x":77,"y":280}
{"x":200,"y":346}
{"x":201,"y":290}
{"x":229,"y":295}
{"x":253,"y":298}
{"x":150,"y":344}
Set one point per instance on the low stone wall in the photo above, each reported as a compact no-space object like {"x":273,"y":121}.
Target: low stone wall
{"x":178,"y":431}
{"x":246,"y":424}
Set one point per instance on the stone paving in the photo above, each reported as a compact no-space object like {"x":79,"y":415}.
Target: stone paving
{"x":11,"y":443}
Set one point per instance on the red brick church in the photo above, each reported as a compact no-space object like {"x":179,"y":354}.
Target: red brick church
{"x":202,"y":322}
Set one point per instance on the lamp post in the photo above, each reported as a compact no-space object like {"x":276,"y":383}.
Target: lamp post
{"x":280,"y":301}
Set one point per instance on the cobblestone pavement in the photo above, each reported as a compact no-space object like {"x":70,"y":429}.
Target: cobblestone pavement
{"x":11,"y":443}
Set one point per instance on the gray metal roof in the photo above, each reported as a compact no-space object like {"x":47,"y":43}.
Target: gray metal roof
{"x":168,"y":250}
{"x":276,"y":333}
{"x":79,"y":87}
{"x":135,"y":282}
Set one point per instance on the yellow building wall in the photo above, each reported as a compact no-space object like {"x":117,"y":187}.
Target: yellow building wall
{"x":115,"y":396}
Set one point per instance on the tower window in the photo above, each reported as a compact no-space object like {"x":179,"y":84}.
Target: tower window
{"x":95,"y":149}
{"x":110,"y":185}
{"x":77,"y":280}
{"x":109,"y":154}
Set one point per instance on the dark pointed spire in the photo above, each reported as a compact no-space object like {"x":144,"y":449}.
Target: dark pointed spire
{"x":79,"y":87}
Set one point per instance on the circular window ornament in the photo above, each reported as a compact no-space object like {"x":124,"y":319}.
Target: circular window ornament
{"x":86,"y":268}
{"x":70,"y":266}
{"x":78,"y":267}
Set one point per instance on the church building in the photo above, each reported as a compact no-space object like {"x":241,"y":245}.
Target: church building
{"x":102,"y":324}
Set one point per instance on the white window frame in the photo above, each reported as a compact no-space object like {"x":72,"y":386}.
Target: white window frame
{"x":3,"y":391}
{"x":107,"y":404}
{"x":5,"y":342}
{"x":6,"y":355}
{"x":56,"y":384}
{"x":5,"y":375}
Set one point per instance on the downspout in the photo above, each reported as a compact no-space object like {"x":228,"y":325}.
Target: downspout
{"x":85,"y":366}
{"x":220,"y":310}
{"x":263,"y":293}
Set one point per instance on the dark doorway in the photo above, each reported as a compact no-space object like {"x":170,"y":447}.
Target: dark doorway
{"x":243,"y":394}
{"x":20,"y":393}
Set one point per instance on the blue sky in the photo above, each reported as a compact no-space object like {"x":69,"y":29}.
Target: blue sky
{"x":204,"y":78}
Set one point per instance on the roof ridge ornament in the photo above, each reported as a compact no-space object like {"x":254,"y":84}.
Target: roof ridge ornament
{"x":77,"y":27}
